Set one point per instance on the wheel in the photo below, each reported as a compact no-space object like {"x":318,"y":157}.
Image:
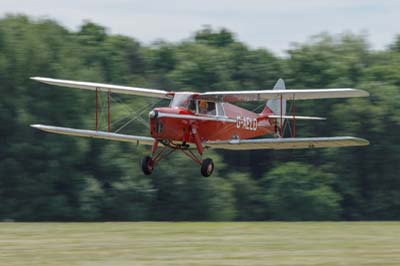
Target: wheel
{"x":207,"y":167}
{"x":147,"y":165}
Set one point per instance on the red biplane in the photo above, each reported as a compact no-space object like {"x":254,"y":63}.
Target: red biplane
{"x":194,"y":122}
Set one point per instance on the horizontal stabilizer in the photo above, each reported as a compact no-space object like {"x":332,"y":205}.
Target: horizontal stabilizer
{"x":297,"y":117}
{"x":106,"y":87}
{"x":142,"y":140}
{"x":286,"y":143}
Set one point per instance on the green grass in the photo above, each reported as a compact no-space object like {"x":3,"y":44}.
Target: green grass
{"x":357,"y":243}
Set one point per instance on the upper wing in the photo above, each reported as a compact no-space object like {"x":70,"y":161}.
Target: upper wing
{"x":96,"y":134}
{"x":286,"y":143}
{"x":106,"y":87}
{"x":262,"y":95}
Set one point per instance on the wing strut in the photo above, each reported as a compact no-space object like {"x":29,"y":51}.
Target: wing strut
{"x":97,"y":109}
{"x":293,"y":110}
{"x":294,"y":117}
{"x":281,"y":118}
{"x":108,"y":110}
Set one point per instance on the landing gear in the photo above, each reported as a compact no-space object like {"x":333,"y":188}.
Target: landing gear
{"x":149,"y":162}
{"x":207,"y":167}
{"x":147,"y":165}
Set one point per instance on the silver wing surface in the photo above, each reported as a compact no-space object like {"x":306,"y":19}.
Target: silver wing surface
{"x":138,"y":140}
{"x":286,"y":143}
{"x":106,"y":87}
{"x":263,"y":95}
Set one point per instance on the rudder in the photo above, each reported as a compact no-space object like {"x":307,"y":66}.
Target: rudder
{"x":275,"y":104}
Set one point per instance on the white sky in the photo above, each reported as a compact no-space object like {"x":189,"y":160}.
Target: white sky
{"x":269,"y":24}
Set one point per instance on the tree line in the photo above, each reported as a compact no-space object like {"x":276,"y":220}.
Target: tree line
{"x":45,"y":177}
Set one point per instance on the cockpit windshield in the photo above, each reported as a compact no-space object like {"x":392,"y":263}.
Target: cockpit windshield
{"x":204,"y":107}
{"x":181,"y":100}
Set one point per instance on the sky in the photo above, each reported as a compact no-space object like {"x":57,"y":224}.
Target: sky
{"x":270,"y":24}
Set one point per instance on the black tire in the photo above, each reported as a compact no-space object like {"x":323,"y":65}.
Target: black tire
{"x":207,"y":167}
{"x":147,"y":165}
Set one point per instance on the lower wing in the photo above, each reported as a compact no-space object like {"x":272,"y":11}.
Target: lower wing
{"x":286,"y":143}
{"x":245,"y":144}
{"x":142,"y":140}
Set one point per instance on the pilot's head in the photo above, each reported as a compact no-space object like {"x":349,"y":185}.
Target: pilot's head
{"x":203,"y":106}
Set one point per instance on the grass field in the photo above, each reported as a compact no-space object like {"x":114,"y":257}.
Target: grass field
{"x":358,"y":243}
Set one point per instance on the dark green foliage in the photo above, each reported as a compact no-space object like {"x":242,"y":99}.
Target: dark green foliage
{"x":220,"y":38}
{"x":296,"y":192}
{"x":53,"y":177}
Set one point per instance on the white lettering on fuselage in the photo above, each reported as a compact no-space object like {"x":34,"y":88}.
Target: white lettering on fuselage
{"x":246,"y":123}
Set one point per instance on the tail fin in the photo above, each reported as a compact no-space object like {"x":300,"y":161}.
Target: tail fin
{"x":274,"y":105}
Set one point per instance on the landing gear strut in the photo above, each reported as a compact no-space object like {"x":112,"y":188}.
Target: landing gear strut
{"x":148,"y":163}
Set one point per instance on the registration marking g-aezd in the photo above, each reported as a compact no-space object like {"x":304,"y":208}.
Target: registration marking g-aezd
{"x":246,"y":123}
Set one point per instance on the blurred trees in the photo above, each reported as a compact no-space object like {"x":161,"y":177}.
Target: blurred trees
{"x":296,"y":191}
{"x":53,"y":177}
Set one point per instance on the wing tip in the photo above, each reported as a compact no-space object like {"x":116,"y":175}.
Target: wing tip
{"x":362,"y":142}
{"x":356,"y":92}
{"x":40,"y":79}
{"x":363,"y":93}
{"x":35,"y":125}
{"x":359,"y":141}
{"x":39,"y":127}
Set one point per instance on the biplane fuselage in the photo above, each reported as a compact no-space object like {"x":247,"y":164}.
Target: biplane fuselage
{"x":180,"y":123}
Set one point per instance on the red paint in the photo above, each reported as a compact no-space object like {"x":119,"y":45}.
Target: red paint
{"x":154,"y":147}
{"x":179,"y":128}
{"x":196,"y":138}
{"x":180,"y":125}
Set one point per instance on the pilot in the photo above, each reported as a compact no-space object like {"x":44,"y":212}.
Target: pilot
{"x":203,"y":107}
